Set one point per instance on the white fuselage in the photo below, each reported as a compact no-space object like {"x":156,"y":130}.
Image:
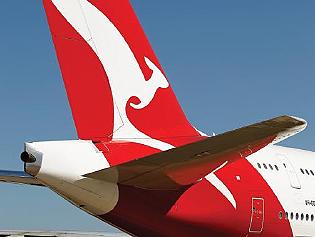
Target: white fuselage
{"x":293,"y":183}
{"x":289,"y":172}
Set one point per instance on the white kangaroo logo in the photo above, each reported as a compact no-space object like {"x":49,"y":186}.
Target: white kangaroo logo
{"x":124,"y":73}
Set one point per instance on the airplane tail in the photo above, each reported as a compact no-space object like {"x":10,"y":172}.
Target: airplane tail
{"x":116,"y":87}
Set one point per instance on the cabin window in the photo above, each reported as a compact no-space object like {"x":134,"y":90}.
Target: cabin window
{"x":276,"y":167}
{"x":302,"y":217}
{"x":270,"y":166}
{"x":265,"y":166}
{"x":297,"y":216}
{"x":307,"y":172}
{"x":259,"y":166}
{"x":286,"y":215}
{"x":291,"y":215}
{"x":307,"y":217}
{"x":312,"y":172}
{"x":302,"y":171}
{"x":280,"y":215}
{"x":312,"y":217}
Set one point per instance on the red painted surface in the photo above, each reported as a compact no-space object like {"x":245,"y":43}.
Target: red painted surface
{"x":257,"y":215}
{"x":200,"y":210}
{"x":120,"y":152}
{"x":87,"y":84}
{"x":85,"y":80}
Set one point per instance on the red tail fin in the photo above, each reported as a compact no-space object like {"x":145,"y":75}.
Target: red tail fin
{"x":115,"y":84}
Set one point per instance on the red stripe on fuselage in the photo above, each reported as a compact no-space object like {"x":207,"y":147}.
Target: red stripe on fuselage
{"x":200,"y":210}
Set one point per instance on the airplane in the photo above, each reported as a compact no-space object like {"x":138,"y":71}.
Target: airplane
{"x":26,"y":233}
{"x":138,"y":163}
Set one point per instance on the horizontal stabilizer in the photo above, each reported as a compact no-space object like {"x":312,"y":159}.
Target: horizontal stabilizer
{"x":18,"y":177}
{"x":188,"y":164}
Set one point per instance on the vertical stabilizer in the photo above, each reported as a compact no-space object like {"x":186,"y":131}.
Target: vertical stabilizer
{"x":116,"y":87}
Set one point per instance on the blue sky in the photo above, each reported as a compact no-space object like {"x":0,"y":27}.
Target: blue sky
{"x":230,"y":63}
